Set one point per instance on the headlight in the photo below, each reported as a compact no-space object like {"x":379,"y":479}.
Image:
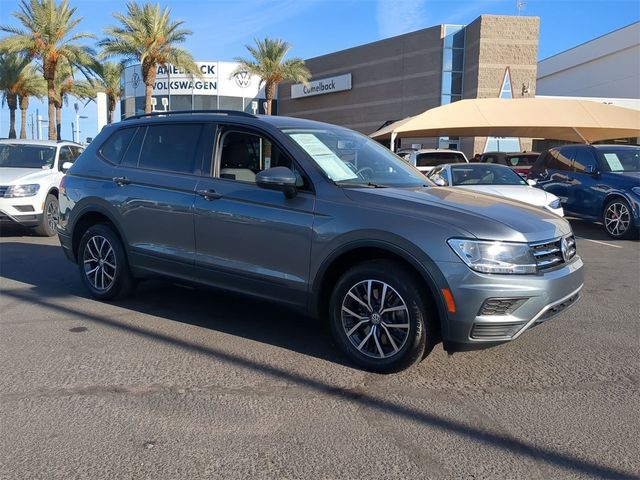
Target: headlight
{"x":22,"y":190}
{"x":636,"y":190}
{"x":495,"y":257}
{"x":555,"y":204}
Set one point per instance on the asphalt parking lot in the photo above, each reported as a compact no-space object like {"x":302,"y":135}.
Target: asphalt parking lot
{"x":184,"y":383}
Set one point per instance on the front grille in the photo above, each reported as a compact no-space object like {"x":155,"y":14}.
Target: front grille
{"x":3,"y":189}
{"x":499,"y":330}
{"x":549,"y":254}
{"x":501,"y":306}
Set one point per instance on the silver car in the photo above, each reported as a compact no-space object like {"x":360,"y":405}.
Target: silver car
{"x":321,"y":219}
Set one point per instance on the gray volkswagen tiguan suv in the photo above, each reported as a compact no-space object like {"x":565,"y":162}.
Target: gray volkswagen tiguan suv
{"x":319,"y":218}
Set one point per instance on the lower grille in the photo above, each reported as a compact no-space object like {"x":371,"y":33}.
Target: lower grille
{"x":499,"y":330}
{"x":501,"y":306}
{"x":558,"y":308}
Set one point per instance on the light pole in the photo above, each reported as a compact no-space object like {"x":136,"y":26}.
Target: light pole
{"x":76,"y":106}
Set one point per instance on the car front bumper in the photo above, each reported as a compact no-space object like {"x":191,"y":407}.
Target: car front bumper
{"x":24,"y":220}
{"x":493,"y":309}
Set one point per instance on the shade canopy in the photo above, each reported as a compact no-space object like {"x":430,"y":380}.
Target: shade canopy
{"x":559,"y":119}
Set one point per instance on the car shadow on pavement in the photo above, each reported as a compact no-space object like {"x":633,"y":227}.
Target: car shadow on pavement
{"x":225,"y":312}
{"x":53,"y":278}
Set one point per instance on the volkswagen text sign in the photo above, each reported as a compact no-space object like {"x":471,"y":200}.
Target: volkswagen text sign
{"x":320,"y":87}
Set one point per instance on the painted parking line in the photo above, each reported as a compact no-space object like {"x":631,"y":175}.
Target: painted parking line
{"x":599,"y":242}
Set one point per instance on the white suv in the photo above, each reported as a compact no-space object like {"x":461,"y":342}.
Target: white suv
{"x":426,"y":159}
{"x":30,"y":174}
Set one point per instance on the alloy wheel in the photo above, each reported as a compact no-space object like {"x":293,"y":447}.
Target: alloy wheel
{"x":52,"y":214}
{"x":617,"y":219}
{"x":375,"y":319}
{"x":99,"y":263}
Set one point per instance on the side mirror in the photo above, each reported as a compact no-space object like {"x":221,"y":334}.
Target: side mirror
{"x":66,"y":166}
{"x":532,"y":182}
{"x":278,"y":178}
{"x":440,"y":182}
{"x":591,"y":170}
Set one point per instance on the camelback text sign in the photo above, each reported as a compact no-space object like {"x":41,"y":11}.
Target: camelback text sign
{"x":320,"y":87}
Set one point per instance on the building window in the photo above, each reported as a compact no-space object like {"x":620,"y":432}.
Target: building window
{"x":452,"y":63}
{"x":505,"y":90}
{"x":503,"y":144}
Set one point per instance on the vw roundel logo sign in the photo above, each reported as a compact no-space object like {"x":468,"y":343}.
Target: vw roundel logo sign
{"x":243,"y":79}
{"x":135,"y":80}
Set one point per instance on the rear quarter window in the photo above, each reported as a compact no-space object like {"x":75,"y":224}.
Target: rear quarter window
{"x":116,"y":145}
{"x":433,"y":159}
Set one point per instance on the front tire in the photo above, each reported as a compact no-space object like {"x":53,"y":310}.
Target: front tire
{"x":103,"y":265}
{"x":48,"y":224}
{"x":379,"y":317}
{"x":618,"y":219}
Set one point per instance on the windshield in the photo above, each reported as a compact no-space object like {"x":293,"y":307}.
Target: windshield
{"x":484,"y":174}
{"x":351,"y":159}
{"x":26,"y":156}
{"x":621,"y":159}
{"x":433,"y":159}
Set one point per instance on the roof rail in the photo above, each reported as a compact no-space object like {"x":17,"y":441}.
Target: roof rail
{"x":68,"y":141}
{"x":178,"y":112}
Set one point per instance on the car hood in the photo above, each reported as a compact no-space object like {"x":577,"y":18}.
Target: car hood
{"x":14,"y":176}
{"x":466,"y":212}
{"x":522,"y":193}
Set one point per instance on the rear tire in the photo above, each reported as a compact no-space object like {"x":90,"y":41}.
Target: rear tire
{"x":48,"y":224}
{"x":379,"y":317}
{"x":618,"y":219}
{"x":103,"y":265}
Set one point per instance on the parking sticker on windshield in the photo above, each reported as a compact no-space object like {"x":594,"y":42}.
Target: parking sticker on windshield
{"x":324,"y":157}
{"x":614,"y":162}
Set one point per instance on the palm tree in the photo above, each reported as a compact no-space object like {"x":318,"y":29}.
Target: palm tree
{"x":147,"y":35}
{"x":11,"y":66}
{"x":31,"y":84}
{"x":66,"y":85}
{"x":47,"y":35}
{"x":268,"y":63}
{"x":108,"y":81}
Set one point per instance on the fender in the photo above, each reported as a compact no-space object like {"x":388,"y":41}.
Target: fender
{"x":95,"y":205}
{"x":417,"y":258}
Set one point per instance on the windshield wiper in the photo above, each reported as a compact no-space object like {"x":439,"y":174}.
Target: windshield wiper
{"x":360,"y":185}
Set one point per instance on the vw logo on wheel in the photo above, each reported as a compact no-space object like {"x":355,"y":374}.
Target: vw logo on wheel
{"x":243,"y":79}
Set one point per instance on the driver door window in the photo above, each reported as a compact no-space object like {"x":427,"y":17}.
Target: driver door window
{"x":243,"y":155}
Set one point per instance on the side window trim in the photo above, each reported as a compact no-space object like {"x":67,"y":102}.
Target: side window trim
{"x":222,"y":129}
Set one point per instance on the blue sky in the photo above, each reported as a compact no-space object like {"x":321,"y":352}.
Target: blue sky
{"x":221,"y":28}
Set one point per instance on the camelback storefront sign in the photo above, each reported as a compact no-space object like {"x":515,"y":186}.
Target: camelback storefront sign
{"x":320,"y":87}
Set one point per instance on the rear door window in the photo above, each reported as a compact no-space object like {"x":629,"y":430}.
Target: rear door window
{"x":171,"y":148}
{"x":521,"y":160}
{"x":560,"y":159}
{"x":582,"y":159}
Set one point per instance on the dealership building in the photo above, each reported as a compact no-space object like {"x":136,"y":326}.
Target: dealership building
{"x":368,"y":86}
{"x":217,"y":88}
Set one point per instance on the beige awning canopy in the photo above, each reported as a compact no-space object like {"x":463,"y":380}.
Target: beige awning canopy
{"x":559,"y":119}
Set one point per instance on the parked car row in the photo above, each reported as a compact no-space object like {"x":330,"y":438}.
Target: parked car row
{"x":598,"y":183}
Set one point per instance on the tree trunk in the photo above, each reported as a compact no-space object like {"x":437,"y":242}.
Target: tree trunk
{"x":12,"y":103}
{"x":59,"y":122}
{"x":51,"y":94}
{"x":24,"y":106}
{"x":149,"y":72}
{"x":111,"y":108}
{"x":270,"y":92}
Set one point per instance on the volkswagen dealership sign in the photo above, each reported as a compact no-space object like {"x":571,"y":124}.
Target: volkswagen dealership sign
{"x":320,"y":87}
{"x":217,"y":78}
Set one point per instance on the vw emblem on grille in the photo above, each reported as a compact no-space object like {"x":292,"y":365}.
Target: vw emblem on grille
{"x":564,"y":249}
{"x":243,"y":79}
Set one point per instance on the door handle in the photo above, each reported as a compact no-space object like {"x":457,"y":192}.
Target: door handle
{"x":121,"y":180}
{"x":209,"y":194}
